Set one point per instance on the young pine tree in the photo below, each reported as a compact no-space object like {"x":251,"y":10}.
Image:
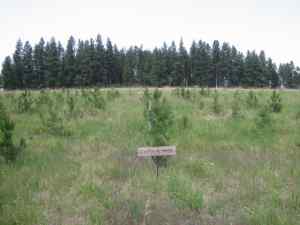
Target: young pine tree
{"x":252,"y":101}
{"x":159,"y":117}
{"x":8,"y":150}
{"x":236,"y":105}
{"x":217,"y":107}
{"x":25,"y":102}
{"x":275,"y":104}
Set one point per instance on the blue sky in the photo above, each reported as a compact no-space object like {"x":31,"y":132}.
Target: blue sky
{"x":271,"y":25}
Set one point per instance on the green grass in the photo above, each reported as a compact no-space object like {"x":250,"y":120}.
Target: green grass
{"x":228,"y":168}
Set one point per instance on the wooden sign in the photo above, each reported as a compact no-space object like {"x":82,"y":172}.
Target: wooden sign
{"x":156,"y":151}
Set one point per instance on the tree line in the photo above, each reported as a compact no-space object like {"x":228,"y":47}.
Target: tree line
{"x":92,"y":62}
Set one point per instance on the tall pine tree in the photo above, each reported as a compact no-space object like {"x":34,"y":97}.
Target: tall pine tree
{"x":18,"y":65}
{"x":69,"y":63}
{"x":183,"y":66}
{"x":52,"y":64}
{"x":214,"y":81}
{"x":8,"y":74}
{"x":39,"y":64}
{"x":100,"y":62}
{"x":29,"y":75}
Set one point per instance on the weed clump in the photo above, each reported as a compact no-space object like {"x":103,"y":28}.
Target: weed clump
{"x":136,"y":209}
{"x":181,"y":193}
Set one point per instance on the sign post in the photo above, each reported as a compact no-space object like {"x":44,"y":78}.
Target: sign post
{"x":159,"y":154}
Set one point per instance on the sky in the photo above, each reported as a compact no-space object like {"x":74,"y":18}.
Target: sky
{"x":269,"y":25}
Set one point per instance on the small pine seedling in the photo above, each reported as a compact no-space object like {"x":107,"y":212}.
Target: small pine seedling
{"x":252,"y":100}
{"x":236,"y":105}
{"x":275,"y":102}
{"x":217,"y":108}
{"x":25,"y":102}
{"x":8,"y":150}
{"x":264,"y":118}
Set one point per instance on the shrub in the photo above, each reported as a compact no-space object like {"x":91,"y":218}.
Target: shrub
{"x":8,"y":150}
{"x":275,"y":102}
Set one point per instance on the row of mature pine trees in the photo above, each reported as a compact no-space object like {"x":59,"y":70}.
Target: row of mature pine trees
{"x":94,"y":63}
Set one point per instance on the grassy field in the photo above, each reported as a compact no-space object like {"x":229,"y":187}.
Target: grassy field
{"x":234,"y":164}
